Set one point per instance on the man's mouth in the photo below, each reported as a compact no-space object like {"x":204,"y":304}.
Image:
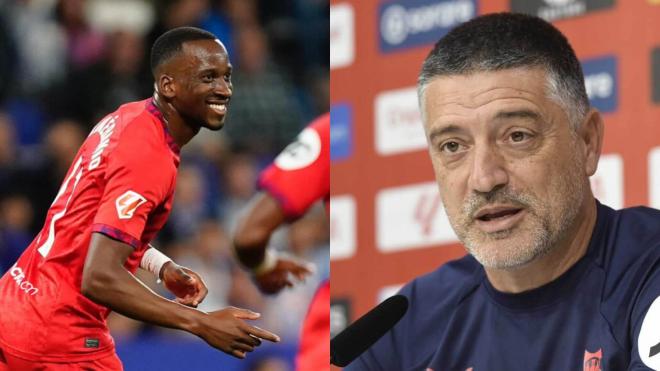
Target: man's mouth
{"x":220,"y":108}
{"x":494,"y":219}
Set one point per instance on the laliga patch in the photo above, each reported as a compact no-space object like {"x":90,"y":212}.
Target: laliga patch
{"x":127,"y":203}
{"x":648,"y":343}
{"x":301,"y":153}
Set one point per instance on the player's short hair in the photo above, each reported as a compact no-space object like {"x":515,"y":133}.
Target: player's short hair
{"x":169,"y":44}
{"x":506,"y":40}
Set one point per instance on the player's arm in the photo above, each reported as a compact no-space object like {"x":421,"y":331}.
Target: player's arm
{"x":270,"y":270}
{"x":188,"y":286}
{"x":106,"y":281}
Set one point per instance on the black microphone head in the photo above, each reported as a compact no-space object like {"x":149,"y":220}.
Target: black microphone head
{"x":364,"y":332}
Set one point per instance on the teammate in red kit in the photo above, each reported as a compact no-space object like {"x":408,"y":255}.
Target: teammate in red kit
{"x":114,"y":199}
{"x":299,"y":177}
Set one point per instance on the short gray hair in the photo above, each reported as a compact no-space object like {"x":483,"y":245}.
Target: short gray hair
{"x":506,"y":40}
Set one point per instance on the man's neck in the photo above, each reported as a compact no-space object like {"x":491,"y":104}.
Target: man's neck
{"x":179,"y":130}
{"x":558,"y":260}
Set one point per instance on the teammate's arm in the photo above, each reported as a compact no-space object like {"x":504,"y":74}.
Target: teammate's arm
{"x":271,"y":272}
{"x":107,"y":282}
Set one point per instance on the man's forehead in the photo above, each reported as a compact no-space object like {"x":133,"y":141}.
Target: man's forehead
{"x":477,"y":89}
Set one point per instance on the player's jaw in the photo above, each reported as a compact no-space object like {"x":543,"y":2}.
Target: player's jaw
{"x":216,"y":112}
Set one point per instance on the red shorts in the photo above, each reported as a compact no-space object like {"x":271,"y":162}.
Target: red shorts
{"x":12,"y":363}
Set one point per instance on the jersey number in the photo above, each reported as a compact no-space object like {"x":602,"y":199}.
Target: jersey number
{"x":76,"y":173}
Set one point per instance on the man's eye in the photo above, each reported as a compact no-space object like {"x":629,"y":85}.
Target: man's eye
{"x":227,"y":78}
{"x":518,"y":136}
{"x":451,"y":147}
{"x":207,"y":78}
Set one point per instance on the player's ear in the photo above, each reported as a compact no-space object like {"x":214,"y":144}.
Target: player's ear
{"x":165,"y":85}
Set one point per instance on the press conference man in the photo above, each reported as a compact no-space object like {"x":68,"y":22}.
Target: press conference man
{"x":554,"y":280}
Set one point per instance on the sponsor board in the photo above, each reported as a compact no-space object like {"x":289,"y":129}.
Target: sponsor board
{"x":340,"y":316}
{"x":387,"y":291}
{"x":607,"y":183}
{"x":558,"y":9}
{"x":342,"y":35}
{"x":411,"y":216}
{"x":407,"y":23}
{"x":654,"y":178}
{"x":600,"y":80}
{"x":398,"y":123}
{"x":342,"y":227}
{"x":341,"y":131}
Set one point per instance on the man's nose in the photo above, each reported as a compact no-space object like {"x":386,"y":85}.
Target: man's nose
{"x":488,"y":169}
{"x":223,"y":88}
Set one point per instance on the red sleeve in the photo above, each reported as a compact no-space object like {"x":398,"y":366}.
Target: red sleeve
{"x":300,"y":175}
{"x":314,"y":352}
{"x":137,"y":181}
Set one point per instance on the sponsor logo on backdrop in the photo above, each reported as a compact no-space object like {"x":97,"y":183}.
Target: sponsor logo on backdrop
{"x":654,"y":178}
{"x":398,"y":122}
{"x":607,"y":183}
{"x":342,"y":35}
{"x":600,"y":80}
{"x":340,"y":317}
{"x":342,"y":227}
{"x":408,"y":23}
{"x":655,"y":74}
{"x":341,"y":131}
{"x":410,"y":217}
{"x":386,"y":292}
{"x":558,"y":9}
{"x":648,"y":343}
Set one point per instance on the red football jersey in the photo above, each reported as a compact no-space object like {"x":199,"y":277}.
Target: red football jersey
{"x":300,"y":175}
{"x":314,"y":351}
{"x":121,"y":184}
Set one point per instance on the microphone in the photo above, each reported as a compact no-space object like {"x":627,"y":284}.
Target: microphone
{"x":363,"y":333}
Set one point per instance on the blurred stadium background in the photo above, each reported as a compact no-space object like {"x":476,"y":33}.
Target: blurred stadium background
{"x":64,"y":64}
{"x":390,"y":227}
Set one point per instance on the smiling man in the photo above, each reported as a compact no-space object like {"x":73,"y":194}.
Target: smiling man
{"x":553,"y":279}
{"x":116,"y":196}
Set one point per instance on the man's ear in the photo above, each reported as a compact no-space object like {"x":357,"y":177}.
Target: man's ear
{"x":591,"y":134}
{"x":165,"y":86}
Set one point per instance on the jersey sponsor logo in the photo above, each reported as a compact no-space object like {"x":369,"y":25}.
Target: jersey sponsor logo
{"x":301,"y":153}
{"x":19,"y":277}
{"x":104,"y":128}
{"x":407,"y":23}
{"x":342,"y":35}
{"x":593,"y":361}
{"x":127,"y":203}
{"x":648,"y":343}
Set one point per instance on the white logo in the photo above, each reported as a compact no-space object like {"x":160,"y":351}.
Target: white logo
{"x":342,"y":227}
{"x":557,"y":2}
{"x":599,"y":85}
{"x":127,"y":203}
{"x":22,"y":284}
{"x":393,"y":25}
{"x":411,"y":216}
{"x":648,"y":344}
{"x":342,"y":35}
{"x":398,"y":123}
{"x":654,"y":177}
{"x":301,"y":153}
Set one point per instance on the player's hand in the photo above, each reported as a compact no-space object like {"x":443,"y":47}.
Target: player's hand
{"x":225,"y":330}
{"x":280,"y":276}
{"x":186,"y":285}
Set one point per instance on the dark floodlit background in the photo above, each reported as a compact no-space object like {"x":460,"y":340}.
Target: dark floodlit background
{"x":65,"y":64}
